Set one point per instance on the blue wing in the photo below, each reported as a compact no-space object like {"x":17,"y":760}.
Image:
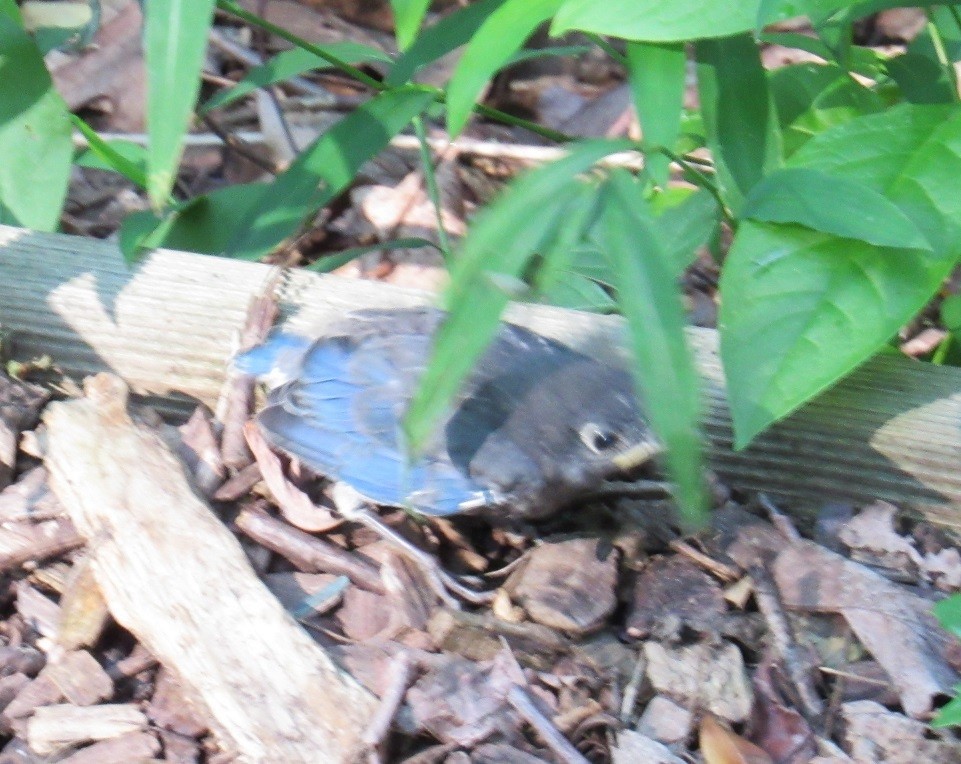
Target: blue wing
{"x":341,"y":417}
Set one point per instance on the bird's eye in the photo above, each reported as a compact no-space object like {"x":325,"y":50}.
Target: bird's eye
{"x":597,"y":438}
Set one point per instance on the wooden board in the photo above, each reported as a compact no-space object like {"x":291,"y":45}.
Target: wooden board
{"x":890,"y":431}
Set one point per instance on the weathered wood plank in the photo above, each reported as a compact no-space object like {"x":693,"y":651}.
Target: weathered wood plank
{"x":892,"y":430}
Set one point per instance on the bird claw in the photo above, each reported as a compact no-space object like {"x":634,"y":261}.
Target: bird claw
{"x":353,"y":507}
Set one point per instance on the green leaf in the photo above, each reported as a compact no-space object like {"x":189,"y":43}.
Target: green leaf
{"x":657,"y":73}
{"x":650,"y":300}
{"x":324,"y":169}
{"x":950,"y":714}
{"x":802,"y":308}
{"x":497,"y":249}
{"x":922,"y":79}
{"x":128,"y":159}
{"x":498,"y":38}
{"x":656,"y":20}
{"x":11,"y":10}
{"x":839,"y":102}
{"x":742,"y":133}
{"x":684,"y":227}
{"x":948,"y":613}
{"x":951,"y":313}
{"x":830,"y":103}
{"x":577,"y":292}
{"x":440,"y":39}
{"x":772,"y":11}
{"x":408,"y":16}
{"x":291,"y":63}
{"x":35,"y":143}
{"x":175,"y":40}
{"x":202,"y":224}
{"x":832,"y":204}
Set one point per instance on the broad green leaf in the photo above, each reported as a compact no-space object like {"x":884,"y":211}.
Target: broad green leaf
{"x":438,"y":40}
{"x":656,"y":20}
{"x":771,"y":11}
{"x":794,"y":88}
{"x":408,"y":16}
{"x":324,"y":169}
{"x":838,"y":102}
{"x":801,"y":308}
{"x":291,"y":63}
{"x":738,"y":113}
{"x":203,"y":224}
{"x":498,"y":38}
{"x":683,"y":227}
{"x":175,"y":40}
{"x":128,"y":159}
{"x":497,"y":250}
{"x":832,"y":204}
{"x":657,"y":73}
{"x":650,"y":300}
{"x":922,"y":79}
{"x":925,"y":73}
{"x":35,"y":144}
{"x":11,"y":10}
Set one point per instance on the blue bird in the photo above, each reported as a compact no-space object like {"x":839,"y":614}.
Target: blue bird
{"x":536,"y":424}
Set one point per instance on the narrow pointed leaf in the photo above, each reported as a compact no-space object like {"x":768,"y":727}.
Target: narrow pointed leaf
{"x":657,"y":73}
{"x":436,"y":41}
{"x":324,"y":169}
{"x":497,"y":249}
{"x":408,"y":16}
{"x":175,"y":40}
{"x":650,"y":300}
{"x":499,"y":38}
{"x":291,"y":63}
{"x":742,"y":133}
{"x":124,"y":157}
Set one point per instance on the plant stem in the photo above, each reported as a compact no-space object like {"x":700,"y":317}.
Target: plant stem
{"x":433,"y":192}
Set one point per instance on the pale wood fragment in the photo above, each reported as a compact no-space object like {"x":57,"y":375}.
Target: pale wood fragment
{"x":54,"y":728}
{"x":174,"y":576}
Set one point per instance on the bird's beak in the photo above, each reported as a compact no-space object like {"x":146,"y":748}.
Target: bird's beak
{"x":637,"y":455}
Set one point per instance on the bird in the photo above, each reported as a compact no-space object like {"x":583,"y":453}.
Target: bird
{"x":535,"y":426}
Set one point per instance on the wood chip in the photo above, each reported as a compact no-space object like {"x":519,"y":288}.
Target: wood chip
{"x":176,"y":578}
{"x":54,"y":728}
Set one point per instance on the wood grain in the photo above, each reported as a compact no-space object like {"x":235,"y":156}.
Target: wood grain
{"x":174,"y":576}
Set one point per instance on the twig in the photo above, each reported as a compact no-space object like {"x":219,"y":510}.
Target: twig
{"x":800,"y":670}
{"x":560,"y":745}
{"x":398,"y":679}
{"x":306,"y":552}
{"x":718,"y":568}
{"x":352,"y":506}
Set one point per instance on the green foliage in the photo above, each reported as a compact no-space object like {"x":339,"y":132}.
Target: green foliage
{"x":948,"y":612}
{"x":35,"y":146}
{"x":836,"y":180}
{"x":175,"y":40}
